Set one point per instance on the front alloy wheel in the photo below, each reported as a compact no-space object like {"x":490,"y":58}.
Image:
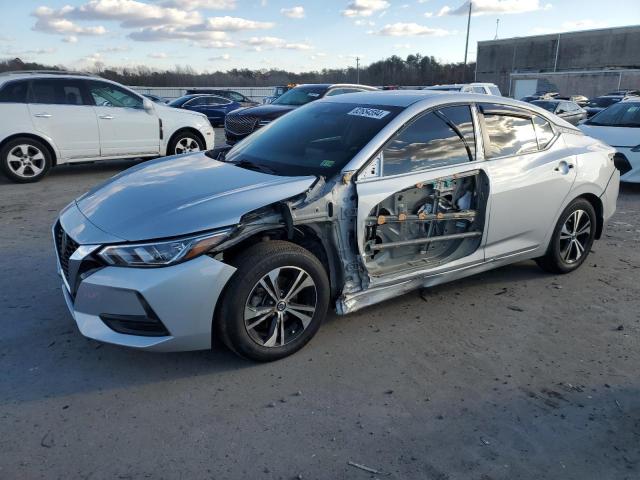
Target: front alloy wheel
{"x":275,"y":301}
{"x":280,"y":306}
{"x":186,"y":145}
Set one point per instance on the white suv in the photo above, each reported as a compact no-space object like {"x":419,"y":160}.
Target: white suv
{"x":51,"y":118}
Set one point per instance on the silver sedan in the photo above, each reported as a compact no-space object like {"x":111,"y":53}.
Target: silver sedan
{"x":346,"y":202}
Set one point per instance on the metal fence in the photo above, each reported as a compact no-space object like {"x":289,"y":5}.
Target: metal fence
{"x":254,"y":93}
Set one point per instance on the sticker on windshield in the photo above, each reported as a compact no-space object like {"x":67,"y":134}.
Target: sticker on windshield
{"x":312,"y":94}
{"x":369,"y":113}
{"x":327,"y":163}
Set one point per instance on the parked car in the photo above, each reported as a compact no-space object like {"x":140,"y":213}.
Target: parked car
{"x":598,"y":104}
{"x":569,"y":111}
{"x":214,"y":107}
{"x":278,"y":92}
{"x":155,"y":98}
{"x":581,"y":100}
{"x":243,"y":100}
{"x":49,"y":119}
{"x":619,"y":126}
{"x":346,"y":201}
{"x":241,"y":123}
{"x":485,"y":88}
{"x":625,"y":93}
{"x":540,"y":96}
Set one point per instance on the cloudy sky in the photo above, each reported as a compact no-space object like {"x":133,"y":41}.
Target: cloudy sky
{"x":293,"y":34}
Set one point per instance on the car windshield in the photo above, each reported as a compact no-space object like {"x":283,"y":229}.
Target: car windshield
{"x":603,"y":102}
{"x":318,"y":139}
{"x":300,"y":96}
{"x":623,"y":114}
{"x":549,"y":106}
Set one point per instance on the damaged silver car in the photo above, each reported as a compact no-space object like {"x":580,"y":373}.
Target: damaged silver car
{"x":345,"y":202}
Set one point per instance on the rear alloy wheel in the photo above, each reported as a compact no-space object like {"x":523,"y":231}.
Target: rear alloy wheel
{"x":274,"y":303}
{"x":185,"y":142}
{"x":572,"y":238}
{"x":25,"y":160}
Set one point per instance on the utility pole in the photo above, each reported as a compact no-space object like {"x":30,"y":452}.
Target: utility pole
{"x":358,"y":70}
{"x":497,"y":25}
{"x":466,"y":48}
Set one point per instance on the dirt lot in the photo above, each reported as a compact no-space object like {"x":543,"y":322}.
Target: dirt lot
{"x":513,"y":374}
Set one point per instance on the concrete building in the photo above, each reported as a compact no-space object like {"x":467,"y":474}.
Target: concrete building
{"x":590,"y":62}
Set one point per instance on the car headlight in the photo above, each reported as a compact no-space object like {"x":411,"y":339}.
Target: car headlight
{"x":162,"y":253}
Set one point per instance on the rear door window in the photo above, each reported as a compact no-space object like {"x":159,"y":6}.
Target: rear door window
{"x":14,"y":92}
{"x":442,"y":137}
{"x":57,"y":91}
{"x":510,"y":131}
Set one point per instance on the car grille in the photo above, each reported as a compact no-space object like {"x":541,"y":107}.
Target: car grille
{"x":621,"y":163}
{"x":65,"y":247}
{"x":240,"y":124}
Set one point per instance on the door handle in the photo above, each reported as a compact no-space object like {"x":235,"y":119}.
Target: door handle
{"x":564,"y":167}
{"x":42,"y":115}
{"x":106,"y":117}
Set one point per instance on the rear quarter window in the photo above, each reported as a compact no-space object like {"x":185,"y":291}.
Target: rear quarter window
{"x":510,"y":131}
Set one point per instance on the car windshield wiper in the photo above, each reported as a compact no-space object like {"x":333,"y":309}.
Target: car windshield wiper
{"x":253,"y":166}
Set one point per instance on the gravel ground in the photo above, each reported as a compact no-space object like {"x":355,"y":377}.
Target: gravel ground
{"x":512,"y":374}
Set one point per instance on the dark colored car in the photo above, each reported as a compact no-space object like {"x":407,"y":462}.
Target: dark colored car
{"x":154,"y":98}
{"x":243,"y":100}
{"x":214,"y":107}
{"x":569,"y":111}
{"x":278,"y":92}
{"x":625,"y":92}
{"x":242,"y":123}
{"x":596,"y":105}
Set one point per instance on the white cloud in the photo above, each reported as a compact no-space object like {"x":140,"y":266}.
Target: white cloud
{"x":404,"y":46}
{"x":203,"y":4}
{"x":155,"y":34}
{"x":223,"y":57}
{"x":131,"y":13}
{"x":293,"y":12}
{"x":483,"y":7}
{"x":269,"y":43}
{"x":234,"y":24}
{"x":70,"y":39}
{"x":360,"y":22}
{"x":53,"y":21}
{"x":158,"y":55}
{"x":364,"y":8}
{"x":428,"y":14}
{"x":410,"y":30}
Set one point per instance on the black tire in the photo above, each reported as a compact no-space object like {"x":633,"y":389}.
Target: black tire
{"x":177,"y":146}
{"x":555,"y":260}
{"x":252,"y":266}
{"x":28,"y":155}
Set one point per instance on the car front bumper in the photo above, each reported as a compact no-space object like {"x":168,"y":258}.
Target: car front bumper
{"x":160,"y":309}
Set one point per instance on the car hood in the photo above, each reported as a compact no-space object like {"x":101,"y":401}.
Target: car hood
{"x":614,"y":136}
{"x":268,"y":111}
{"x":180,"y":195}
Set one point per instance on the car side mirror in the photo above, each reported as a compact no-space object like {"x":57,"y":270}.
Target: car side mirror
{"x":147,"y":104}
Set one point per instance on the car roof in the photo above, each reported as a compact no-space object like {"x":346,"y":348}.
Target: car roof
{"x":333,"y":85}
{"x":424,"y":99}
{"x":10,"y":76}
